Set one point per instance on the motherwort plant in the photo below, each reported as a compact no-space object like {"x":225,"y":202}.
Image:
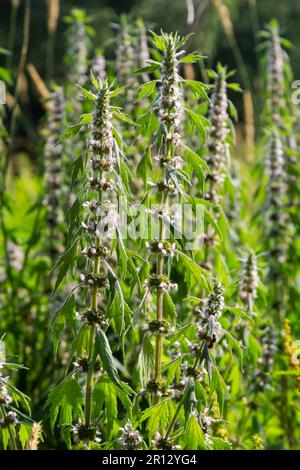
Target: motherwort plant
{"x":169,"y":186}
{"x":220,"y":139}
{"x":94,"y":230}
{"x":55,"y":189}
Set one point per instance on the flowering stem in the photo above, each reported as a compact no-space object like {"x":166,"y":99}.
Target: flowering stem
{"x":174,"y":419}
{"x":159,"y":307}
{"x":94,"y":305}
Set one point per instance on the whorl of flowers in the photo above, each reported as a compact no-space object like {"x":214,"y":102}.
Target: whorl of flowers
{"x":277,"y":215}
{"x":209,"y":315}
{"x":130,"y":439}
{"x":249,"y":282}
{"x":218,"y":131}
{"x":54,"y":186}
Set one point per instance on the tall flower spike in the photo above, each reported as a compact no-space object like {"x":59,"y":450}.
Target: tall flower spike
{"x":142,"y":50}
{"x":209,"y":315}
{"x":55,"y":190}
{"x":277,"y":215}
{"x":250,"y":282}
{"x":78,"y":46}
{"x":169,"y":113}
{"x":95,"y":226}
{"x":275,"y":84}
{"x":218,"y":131}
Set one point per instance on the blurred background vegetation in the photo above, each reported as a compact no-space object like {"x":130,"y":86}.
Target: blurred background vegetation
{"x":223,"y":31}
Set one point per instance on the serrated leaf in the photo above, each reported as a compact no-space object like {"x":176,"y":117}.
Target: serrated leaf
{"x":102,"y":347}
{"x":146,"y":360}
{"x":198,"y":88}
{"x":193,"y":435}
{"x":65,"y":403}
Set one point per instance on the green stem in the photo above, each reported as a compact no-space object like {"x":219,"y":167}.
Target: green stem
{"x":174,"y":419}
{"x":90,"y":374}
{"x":159,"y":310}
{"x":11,"y":35}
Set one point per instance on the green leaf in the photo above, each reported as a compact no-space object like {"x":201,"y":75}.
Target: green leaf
{"x":105,"y":396}
{"x":102,"y":348}
{"x":24,"y":433}
{"x":169,"y":307}
{"x":193,"y":434}
{"x":198,"y":88}
{"x":220,"y":444}
{"x":234,"y":87}
{"x":235,"y":345}
{"x":146,"y":89}
{"x":158,"y":416}
{"x":218,"y":385}
{"x":70,"y":132}
{"x":192,"y":58}
{"x":117,"y":91}
{"x":89,"y":95}
{"x":65,"y":403}
{"x":146,"y":360}
{"x":193,"y":272}
{"x":196,"y":163}
{"x":65,"y":314}
{"x":211,"y":221}
{"x":173,"y":371}
{"x":124,"y":117}
{"x":144,"y":164}
{"x":199,"y":121}
{"x":65,"y":263}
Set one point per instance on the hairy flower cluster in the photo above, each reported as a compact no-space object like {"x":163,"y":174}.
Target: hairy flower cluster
{"x":160,"y":442}
{"x":250,"y":281}
{"x":277,"y":215}
{"x":130,"y":439}
{"x":217,"y":138}
{"x":15,"y":256}
{"x":83,"y":433}
{"x":170,"y":96}
{"x":209,"y":314}
{"x":164,"y":247}
{"x":159,"y":282}
{"x":10,"y":419}
{"x":5,"y":397}
{"x":156,"y":326}
{"x":261,"y":380}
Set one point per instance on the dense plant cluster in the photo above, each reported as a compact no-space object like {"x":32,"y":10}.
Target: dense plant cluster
{"x":152,"y":297}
